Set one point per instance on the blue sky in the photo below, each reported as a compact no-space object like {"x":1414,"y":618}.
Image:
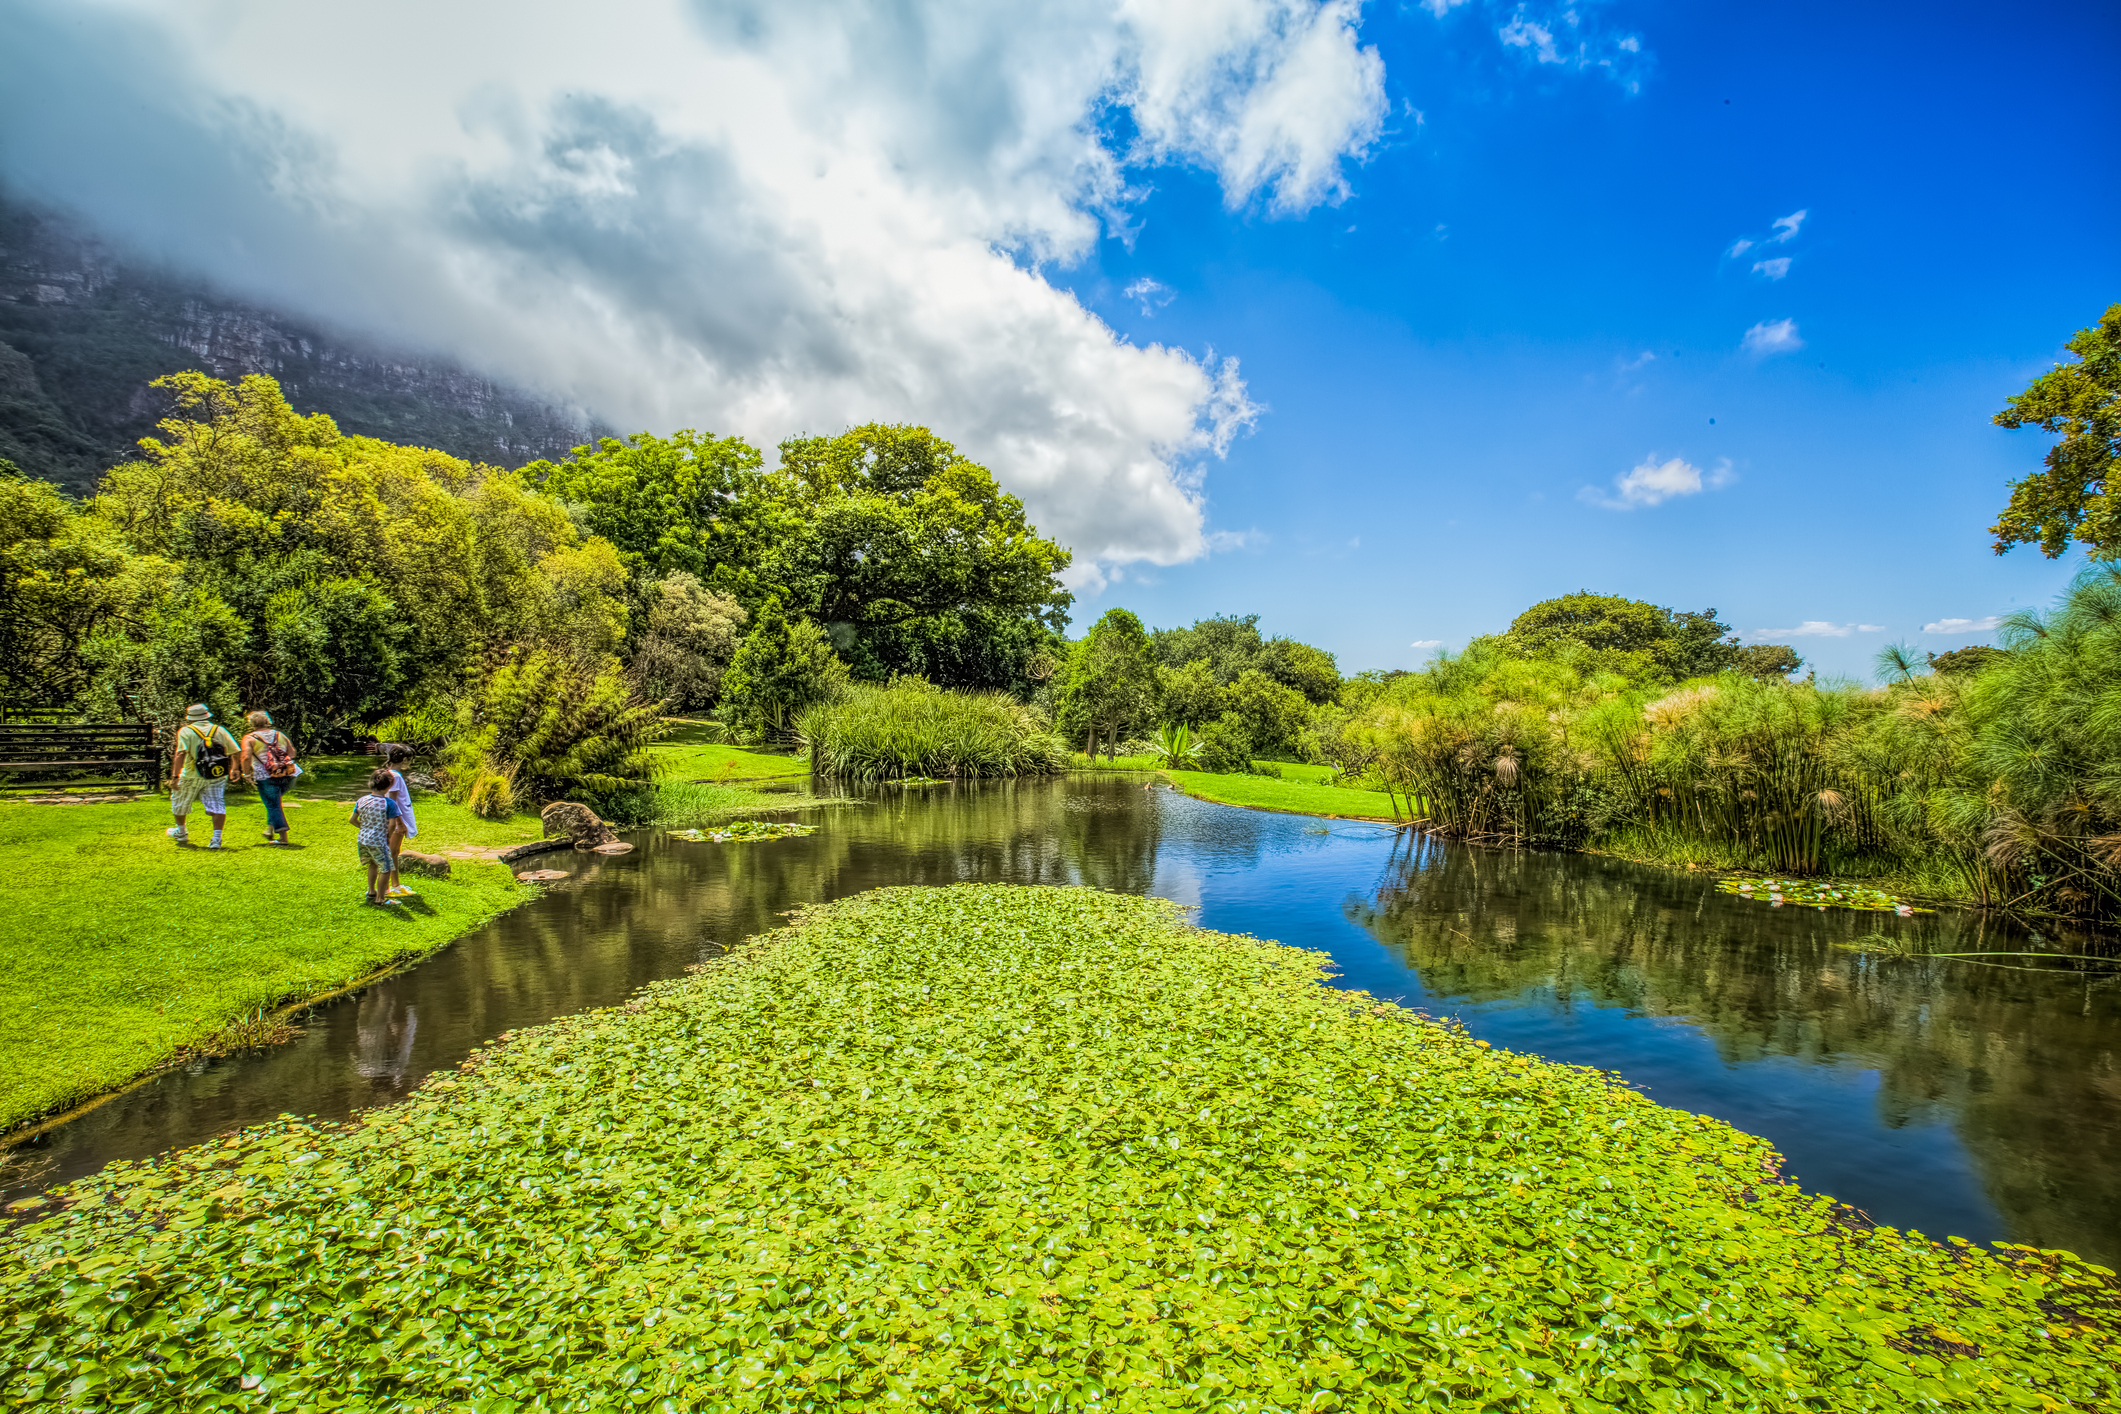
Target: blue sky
{"x":1705,"y":305}
{"x":1454,"y":353}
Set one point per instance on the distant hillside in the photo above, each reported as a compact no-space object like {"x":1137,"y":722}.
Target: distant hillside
{"x":82,"y":332}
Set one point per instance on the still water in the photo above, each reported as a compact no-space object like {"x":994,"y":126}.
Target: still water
{"x":1950,"y":1096}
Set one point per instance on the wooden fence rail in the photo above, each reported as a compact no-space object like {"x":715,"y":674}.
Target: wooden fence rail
{"x":38,"y":756}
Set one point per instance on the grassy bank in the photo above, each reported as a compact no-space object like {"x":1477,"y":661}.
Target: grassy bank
{"x":994,"y":1147}
{"x":127,"y":951}
{"x":1300,"y":790}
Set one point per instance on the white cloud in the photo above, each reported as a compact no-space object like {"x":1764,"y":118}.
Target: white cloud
{"x":1811,"y":628}
{"x":1426,"y":643}
{"x":1641,"y":360}
{"x":1570,"y":37}
{"x":1774,"y":269}
{"x":1786,"y":226}
{"x":764,"y":219}
{"x":1440,"y":8}
{"x":1653,"y":482}
{"x":1738,"y":247}
{"x":1960,"y":627}
{"x":1152,"y":295}
{"x":1765,"y":338}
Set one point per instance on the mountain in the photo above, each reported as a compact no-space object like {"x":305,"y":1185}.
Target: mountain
{"x":83,"y":331}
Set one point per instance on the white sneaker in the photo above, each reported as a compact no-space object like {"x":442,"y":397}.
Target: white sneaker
{"x":176,"y":832}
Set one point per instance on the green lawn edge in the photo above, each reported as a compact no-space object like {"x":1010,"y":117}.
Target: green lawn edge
{"x":1289,"y":795}
{"x":130,"y":953}
{"x":994,"y":1146}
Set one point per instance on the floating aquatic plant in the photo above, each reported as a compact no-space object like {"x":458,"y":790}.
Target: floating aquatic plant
{"x":738,"y":830}
{"x":1811,"y":893}
{"x":985,"y":1147}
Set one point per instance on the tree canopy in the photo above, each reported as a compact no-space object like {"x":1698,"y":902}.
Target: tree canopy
{"x":1641,"y":641}
{"x":2074,"y":498}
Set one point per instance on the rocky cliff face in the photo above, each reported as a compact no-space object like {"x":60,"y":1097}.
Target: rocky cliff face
{"x":83,"y":332}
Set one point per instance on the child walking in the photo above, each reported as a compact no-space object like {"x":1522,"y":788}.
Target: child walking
{"x":403,"y":827}
{"x":374,"y":814}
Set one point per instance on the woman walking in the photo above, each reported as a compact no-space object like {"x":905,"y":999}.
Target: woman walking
{"x":269,"y":758}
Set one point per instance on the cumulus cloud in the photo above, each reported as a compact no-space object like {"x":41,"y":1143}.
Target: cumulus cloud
{"x":1962,"y":627}
{"x":1767,"y":338}
{"x":1652,"y":483}
{"x":1774,"y":269}
{"x":1811,"y":628}
{"x":1786,"y":227}
{"x":764,"y":219}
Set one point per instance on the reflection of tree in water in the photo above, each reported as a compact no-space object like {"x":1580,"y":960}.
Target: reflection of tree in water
{"x":2026,"y":1065}
{"x":384,"y":1029}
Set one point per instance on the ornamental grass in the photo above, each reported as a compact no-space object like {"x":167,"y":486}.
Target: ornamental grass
{"x":912,"y":729}
{"x":993,"y":1147}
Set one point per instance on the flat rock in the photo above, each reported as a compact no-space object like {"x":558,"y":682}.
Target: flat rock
{"x":615,"y":847}
{"x":434,"y":866}
{"x":539,"y":876}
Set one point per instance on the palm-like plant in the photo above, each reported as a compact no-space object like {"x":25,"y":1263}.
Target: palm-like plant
{"x":1176,"y":748}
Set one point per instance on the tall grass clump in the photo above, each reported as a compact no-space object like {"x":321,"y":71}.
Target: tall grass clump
{"x":911,"y":728}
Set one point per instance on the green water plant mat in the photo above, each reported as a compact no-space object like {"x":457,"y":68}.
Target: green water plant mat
{"x":1812,"y":893}
{"x":746,"y":830}
{"x":989,"y":1147}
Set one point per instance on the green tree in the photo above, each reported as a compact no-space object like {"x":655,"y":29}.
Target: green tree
{"x":1640,"y":641}
{"x":1229,"y":644}
{"x":691,"y":635}
{"x":1311,"y":671}
{"x":688,"y":502}
{"x":1226,"y":746}
{"x":1274,"y":715}
{"x":2074,"y":497}
{"x":1108,"y":688}
{"x":1768,"y":661}
{"x":784,"y":666}
{"x":1190,"y":695}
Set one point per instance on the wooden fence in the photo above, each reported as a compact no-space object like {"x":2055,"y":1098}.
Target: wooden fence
{"x":39,"y":756}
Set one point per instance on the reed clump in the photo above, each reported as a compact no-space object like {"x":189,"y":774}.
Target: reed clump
{"x":2001,"y":785}
{"x":911,"y":728}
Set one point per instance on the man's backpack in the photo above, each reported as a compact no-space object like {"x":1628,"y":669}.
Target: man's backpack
{"x":279,"y":760}
{"x":208,"y":756}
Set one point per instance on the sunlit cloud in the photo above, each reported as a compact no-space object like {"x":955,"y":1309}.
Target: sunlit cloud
{"x":1958,"y":627}
{"x":1812,"y":628}
{"x":1652,"y":483}
{"x":1786,"y":227}
{"x":1778,"y":337}
{"x":1426,"y":643}
{"x":1152,"y":295}
{"x":1774,"y":269}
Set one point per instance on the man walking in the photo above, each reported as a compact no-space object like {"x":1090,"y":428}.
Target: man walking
{"x":204,"y":753}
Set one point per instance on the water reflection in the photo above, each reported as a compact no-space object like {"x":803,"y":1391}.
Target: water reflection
{"x":1803,"y":1013}
{"x":1936,"y":1094}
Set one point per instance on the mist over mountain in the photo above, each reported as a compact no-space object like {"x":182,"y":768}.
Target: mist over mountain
{"x":84,"y":330}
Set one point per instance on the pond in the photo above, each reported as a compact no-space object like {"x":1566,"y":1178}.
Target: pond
{"x":1945,"y":1095}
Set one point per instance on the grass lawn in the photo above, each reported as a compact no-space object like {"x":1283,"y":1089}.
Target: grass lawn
{"x":985,"y":1147}
{"x":1300,"y":790}
{"x":127,"y":950}
{"x":687,"y":755}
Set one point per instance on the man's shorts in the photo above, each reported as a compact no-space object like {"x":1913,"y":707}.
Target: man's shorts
{"x":378,"y":855}
{"x":197,"y":790}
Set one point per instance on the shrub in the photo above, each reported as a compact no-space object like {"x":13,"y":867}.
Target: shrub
{"x":545,"y":727}
{"x":783,"y":668}
{"x":912,"y":729}
{"x":1226,"y":745}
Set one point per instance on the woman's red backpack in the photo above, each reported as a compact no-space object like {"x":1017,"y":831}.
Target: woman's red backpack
{"x":279,"y":758}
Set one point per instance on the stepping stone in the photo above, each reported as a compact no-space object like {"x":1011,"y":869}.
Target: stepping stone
{"x":615,"y":847}
{"x":539,"y":876}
